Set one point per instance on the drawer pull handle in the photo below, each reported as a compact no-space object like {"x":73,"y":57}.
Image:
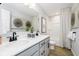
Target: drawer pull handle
{"x":48,"y":45}
{"x":41,"y":53}
{"x":43,"y":43}
{"x":44,"y":51}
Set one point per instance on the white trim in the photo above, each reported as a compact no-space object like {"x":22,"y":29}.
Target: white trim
{"x":73,"y":52}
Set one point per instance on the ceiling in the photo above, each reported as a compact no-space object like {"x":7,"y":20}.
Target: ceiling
{"x":47,"y":8}
{"x":22,"y":8}
{"x":51,"y":8}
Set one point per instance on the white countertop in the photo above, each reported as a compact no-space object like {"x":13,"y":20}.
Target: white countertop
{"x":15,"y":47}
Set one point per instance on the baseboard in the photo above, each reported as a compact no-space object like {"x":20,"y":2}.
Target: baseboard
{"x":59,"y":45}
{"x":73,"y":52}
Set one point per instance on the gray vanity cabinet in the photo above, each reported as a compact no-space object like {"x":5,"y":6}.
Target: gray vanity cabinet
{"x":39,"y":49}
{"x":46,"y":46}
{"x":30,"y":51}
{"x":42,"y":48}
{"x":36,"y":54}
{"x":75,"y":47}
{"x":75,"y":43}
{"x":42,"y":51}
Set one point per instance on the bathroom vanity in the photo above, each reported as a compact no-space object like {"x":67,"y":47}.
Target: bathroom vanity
{"x":24,"y":46}
{"x":75,"y":43}
{"x":39,"y":49}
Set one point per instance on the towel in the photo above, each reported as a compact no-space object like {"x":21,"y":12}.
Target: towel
{"x":71,"y":35}
{"x":74,"y":36}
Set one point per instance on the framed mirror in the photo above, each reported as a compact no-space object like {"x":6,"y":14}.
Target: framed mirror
{"x":43,"y":25}
{"x":72,"y":20}
{"x":78,"y":18}
{"x":16,"y":22}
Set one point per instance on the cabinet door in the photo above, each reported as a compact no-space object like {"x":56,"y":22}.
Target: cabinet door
{"x":36,"y":54}
{"x":75,"y":44}
{"x":76,"y":47}
{"x":46,"y":47}
{"x":30,"y":51}
{"x":42,"y":43}
{"x":42,"y":51}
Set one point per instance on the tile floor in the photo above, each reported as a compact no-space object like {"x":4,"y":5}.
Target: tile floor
{"x":59,"y":51}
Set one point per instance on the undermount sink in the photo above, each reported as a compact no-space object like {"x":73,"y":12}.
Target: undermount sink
{"x":21,"y":40}
{"x":25,"y":38}
{"x":16,"y":43}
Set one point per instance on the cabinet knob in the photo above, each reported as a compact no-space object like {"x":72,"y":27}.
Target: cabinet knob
{"x":48,"y":45}
{"x":44,"y":51}
{"x":43,"y":43}
{"x":41,"y":53}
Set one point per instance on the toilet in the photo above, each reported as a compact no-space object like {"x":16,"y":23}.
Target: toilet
{"x":52,"y":44}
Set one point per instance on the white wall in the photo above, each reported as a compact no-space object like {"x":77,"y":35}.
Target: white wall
{"x":75,"y":43}
{"x":66,"y":26}
{"x":36,"y":21}
{"x":4,"y":21}
{"x":54,"y":29}
{"x":75,"y":10}
{"x":59,"y":28}
{"x":59,"y":31}
{"x":16,"y":13}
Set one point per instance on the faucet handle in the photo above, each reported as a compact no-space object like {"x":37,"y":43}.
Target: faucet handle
{"x":9,"y":36}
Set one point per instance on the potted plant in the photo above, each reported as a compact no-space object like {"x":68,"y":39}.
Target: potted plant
{"x":29,"y":26}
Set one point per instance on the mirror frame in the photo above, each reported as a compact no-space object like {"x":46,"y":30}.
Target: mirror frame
{"x":43,"y":25}
{"x":72,"y":20}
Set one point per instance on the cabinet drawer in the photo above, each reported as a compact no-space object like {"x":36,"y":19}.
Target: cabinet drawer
{"x":46,"y":40}
{"x":46,"y":49}
{"x":30,"y":51}
{"x":42,"y":43}
{"x":47,"y":44}
{"x":36,"y":54}
{"x":42,"y":51}
{"x":46,"y":52}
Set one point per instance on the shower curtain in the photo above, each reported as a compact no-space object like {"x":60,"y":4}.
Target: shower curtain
{"x":66,"y":26}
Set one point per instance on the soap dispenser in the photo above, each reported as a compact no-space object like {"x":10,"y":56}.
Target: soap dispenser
{"x":37,"y":33}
